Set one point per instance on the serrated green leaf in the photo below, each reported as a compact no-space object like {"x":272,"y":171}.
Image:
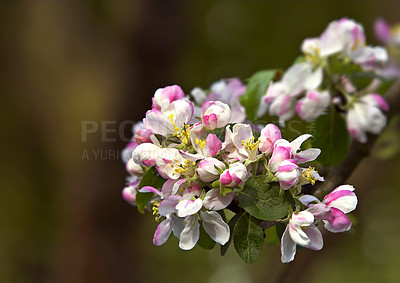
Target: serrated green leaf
{"x":248,"y":237}
{"x":255,"y":90}
{"x":150,"y":178}
{"x":231,"y":225}
{"x":205,"y":240}
{"x":332,"y":138}
{"x":260,"y":198}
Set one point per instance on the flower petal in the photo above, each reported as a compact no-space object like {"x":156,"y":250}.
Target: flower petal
{"x":338,"y":222}
{"x":148,"y":189}
{"x":190,"y":234}
{"x":168,"y":205}
{"x":307,"y":155}
{"x":320,"y":211}
{"x":162,"y":232}
{"x":188,"y":207}
{"x":288,"y":247}
{"x":315,"y":236}
{"x":342,"y":198}
{"x":307,"y":199}
{"x":298,"y":142}
{"x":178,"y":225}
{"x":215,"y":226}
{"x":214,"y":201}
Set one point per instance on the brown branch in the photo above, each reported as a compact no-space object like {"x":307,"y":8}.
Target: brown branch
{"x":339,"y":174}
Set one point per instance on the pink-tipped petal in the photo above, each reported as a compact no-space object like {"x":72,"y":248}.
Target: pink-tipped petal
{"x":148,"y":189}
{"x":338,"y":222}
{"x":162,"y":232}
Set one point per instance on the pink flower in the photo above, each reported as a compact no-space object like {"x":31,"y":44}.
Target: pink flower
{"x":215,"y":114}
{"x":288,"y":174}
{"x":269,"y":135}
{"x":341,"y":200}
{"x":163,"y":97}
{"x":235,"y":175}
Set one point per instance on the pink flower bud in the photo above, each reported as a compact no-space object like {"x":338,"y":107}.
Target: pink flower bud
{"x":163,"y":97}
{"x":215,"y":114}
{"x":143,"y":136}
{"x":288,"y":174}
{"x":145,"y":154}
{"x":279,"y":154}
{"x":206,"y":169}
{"x":236,"y":174}
{"x":129,"y":192}
{"x":269,"y":135}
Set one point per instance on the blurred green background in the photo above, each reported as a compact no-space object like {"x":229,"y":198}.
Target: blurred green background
{"x":64,"y":62}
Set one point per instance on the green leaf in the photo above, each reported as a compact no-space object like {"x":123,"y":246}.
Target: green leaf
{"x":205,"y":240}
{"x":384,"y":86}
{"x":271,"y":236}
{"x":231,"y":224}
{"x":255,"y":90}
{"x":150,"y":178}
{"x":248,"y":237}
{"x":362,"y":79}
{"x":260,"y":198}
{"x":332,"y":138}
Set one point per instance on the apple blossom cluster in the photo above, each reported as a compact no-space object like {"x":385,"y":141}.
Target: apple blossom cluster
{"x":191,"y":165}
{"x":335,"y":73}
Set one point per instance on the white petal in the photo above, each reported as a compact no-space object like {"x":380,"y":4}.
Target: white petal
{"x":307,"y":199}
{"x":298,"y":141}
{"x":314,"y":80}
{"x":188,"y":207}
{"x":316,"y":238}
{"x":215,"y":226}
{"x":178,"y":225}
{"x":190,"y":234}
{"x":297,"y":234}
{"x":307,"y":155}
{"x":346,"y":204}
{"x":168,"y":205}
{"x":214,"y":201}
{"x":288,"y":247}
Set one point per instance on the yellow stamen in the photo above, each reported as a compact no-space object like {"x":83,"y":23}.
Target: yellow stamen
{"x":308,"y":175}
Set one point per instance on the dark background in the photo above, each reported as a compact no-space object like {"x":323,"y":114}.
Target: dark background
{"x":65,"y":62}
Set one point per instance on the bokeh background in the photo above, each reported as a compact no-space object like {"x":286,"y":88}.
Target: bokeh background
{"x":66,"y":62}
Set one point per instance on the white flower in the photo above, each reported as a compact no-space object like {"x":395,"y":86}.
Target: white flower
{"x":313,"y":105}
{"x":171,"y":120}
{"x":366,"y":116}
{"x":301,"y":231}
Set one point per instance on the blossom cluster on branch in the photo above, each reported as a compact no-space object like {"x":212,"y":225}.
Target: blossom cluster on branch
{"x":211,"y":170}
